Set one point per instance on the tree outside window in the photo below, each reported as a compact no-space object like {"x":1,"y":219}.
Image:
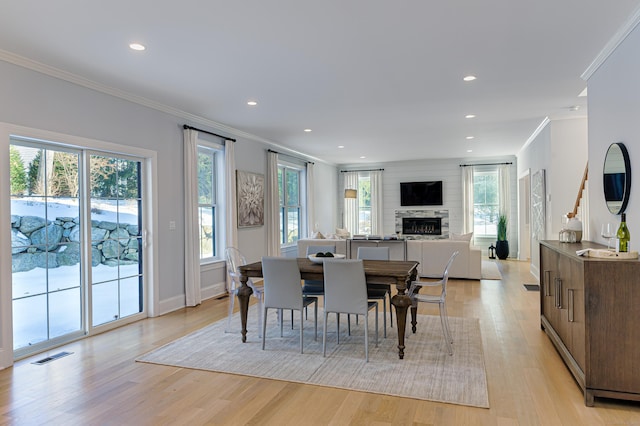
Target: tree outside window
{"x":364,"y":204}
{"x":207,"y":202}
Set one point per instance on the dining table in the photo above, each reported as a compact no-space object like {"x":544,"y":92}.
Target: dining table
{"x":394,"y":272}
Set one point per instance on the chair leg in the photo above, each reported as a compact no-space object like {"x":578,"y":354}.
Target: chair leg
{"x":446,"y":321}
{"x":301,"y":329}
{"x":447,"y":339}
{"x":338,"y":328}
{"x":315,"y":313}
{"x":264,"y":326}
{"x":390,"y":310}
{"x":385,"y":332}
{"x":366,"y":335}
{"x":281,"y":322}
{"x":259,"y":315}
{"x":384,"y":317}
{"x":349,"y":323}
{"x":232,"y":298}
{"x":324,"y":334}
{"x":292,"y":319}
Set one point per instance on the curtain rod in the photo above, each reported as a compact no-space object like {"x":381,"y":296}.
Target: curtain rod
{"x":484,"y":164}
{"x":292,"y":156}
{"x":368,"y":170}
{"x":210,"y":133}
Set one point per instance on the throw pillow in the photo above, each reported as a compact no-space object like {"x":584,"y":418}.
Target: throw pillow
{"x":461,"y":237}
{"x":343,"y":233}
{"x":318,"y":236}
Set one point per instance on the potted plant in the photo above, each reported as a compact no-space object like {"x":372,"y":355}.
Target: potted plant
{"x":502,"y":245}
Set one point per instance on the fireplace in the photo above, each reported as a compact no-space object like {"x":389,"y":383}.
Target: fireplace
{"x":422,"y":226}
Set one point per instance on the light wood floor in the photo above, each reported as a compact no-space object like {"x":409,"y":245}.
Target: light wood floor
{"x":101,"y":384}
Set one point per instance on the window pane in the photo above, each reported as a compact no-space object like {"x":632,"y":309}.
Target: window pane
{"x":29,"y":321}
{"x":280,"y":186}
{"x":130,"y":294}
{"x":293,"y":221}
{"x":205,"y":178}
{"x":207,"y":232}
{"x":65,"y":309}
{"x":485,"y":197}
{"x":293,"y":187}
{"x":105,"y":302}
{"x":128,"y":182}
{"x":283,"y":237}
{"x":104,"y":177}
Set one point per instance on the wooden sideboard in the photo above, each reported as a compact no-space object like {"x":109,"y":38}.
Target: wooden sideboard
{"x":590,"y":309}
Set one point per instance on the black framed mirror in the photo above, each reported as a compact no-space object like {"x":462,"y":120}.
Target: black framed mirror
{"x":617,"y":178}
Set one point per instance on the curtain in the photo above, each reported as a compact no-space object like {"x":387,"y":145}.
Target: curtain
{"x":377,"y":225}
{"x":231,"y":213}
{"x":191,"y":231}
{"x":272,"y":211}
{"x":311,"y":217}
{"x":504,"y":191}
{"x":467,"y":199}
{"x":350,"y":204}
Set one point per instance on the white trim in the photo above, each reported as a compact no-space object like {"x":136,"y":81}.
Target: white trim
{"x":613,"y":44}
{"x":140,"y":100}
{"x":534,"y":135}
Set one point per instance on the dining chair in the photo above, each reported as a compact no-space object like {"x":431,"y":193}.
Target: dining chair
{"x":440,"y":299}
{"x":378,"y":291}
{"x":316,"y":287}
{"x":345,"y":291}
{"x":282,"y":290}
{"x":235,"y":258}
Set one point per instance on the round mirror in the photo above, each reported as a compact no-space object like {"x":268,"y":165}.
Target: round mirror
{"x":617,"y":178}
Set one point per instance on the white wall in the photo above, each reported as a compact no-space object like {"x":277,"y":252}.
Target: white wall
{"x":614,"y":116}
{"x":560,"y":149}
{"x":446,"y":170}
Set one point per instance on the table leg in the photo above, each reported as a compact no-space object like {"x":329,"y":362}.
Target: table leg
{"x":244,"y":293}
{"x":401,"y":302}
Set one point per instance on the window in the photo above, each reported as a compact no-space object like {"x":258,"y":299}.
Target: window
{"x":485,"y":203}
{"x":289,"y":184}
{"x":364,"y":204}
{"x":208,"y":204}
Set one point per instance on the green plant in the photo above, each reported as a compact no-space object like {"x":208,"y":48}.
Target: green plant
{"x":18,"y":176}
{"x":502,"y":228}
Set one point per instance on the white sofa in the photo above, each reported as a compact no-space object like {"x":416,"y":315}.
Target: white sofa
{"x":341,"y":245}
{"x":433,"y":256}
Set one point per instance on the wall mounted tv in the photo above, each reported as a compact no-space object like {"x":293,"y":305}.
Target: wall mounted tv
{"x":421,"y":193}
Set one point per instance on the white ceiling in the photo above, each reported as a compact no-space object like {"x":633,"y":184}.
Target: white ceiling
{"x":381,"y":77}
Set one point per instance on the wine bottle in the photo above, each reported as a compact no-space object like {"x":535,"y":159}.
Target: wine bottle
{"x":623,"y":235}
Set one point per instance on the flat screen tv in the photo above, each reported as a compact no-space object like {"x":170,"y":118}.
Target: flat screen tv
{"x":421,"y":193}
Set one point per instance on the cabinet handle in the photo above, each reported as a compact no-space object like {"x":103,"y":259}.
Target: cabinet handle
{"x":547,"y":284}
{"x":570,"y":303}
{"x":558,"y":293}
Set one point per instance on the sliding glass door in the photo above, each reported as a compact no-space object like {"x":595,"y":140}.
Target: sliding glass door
{"x":76,"y":242}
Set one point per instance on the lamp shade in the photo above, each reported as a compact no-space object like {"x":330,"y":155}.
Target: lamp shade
{"x":350,"y":193}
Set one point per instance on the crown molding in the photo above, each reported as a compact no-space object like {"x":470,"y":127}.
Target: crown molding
{"x":612,"y":45}
{"x":140,"y":100}
{"x":534,"y":135}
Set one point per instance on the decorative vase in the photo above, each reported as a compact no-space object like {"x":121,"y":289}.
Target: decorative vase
{"x":502,"y":249}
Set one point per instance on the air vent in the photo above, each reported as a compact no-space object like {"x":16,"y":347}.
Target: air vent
{"x":51,"y":358}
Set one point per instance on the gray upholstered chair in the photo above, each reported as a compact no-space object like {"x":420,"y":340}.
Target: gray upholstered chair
{"x":345,"y":291}
{"x":234,"y":259}
{"x":282,"y":290}
{"x":440,"y":299}
{"x":378,"y":291}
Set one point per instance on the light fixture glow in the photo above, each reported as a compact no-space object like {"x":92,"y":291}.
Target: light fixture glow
{"x":252,"y":103}
{"x":470,"y":137}
{"x":137,"y":46}
{"x":470,"y":116}
{"x":469,"y":150}
{"x":469,"y":78}
{"x":350,"y":193}
{"x":307,"y":130}
{"x":362,"y":156}
{"x":340,"y":146}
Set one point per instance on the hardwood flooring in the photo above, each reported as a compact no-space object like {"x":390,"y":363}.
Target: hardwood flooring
{"x":101,"y":384}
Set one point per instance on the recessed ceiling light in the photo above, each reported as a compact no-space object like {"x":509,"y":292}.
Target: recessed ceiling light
{"x":340,"y":146}
{"x":307,"y":130}
{"x":470,"y":116}
{"x":470,"y":137}
{"x":469,"y":78}
{"x":469,"y":150}
{"x":362,"y":156}
{"x":252,"y":103}
{"x":137,"y":46}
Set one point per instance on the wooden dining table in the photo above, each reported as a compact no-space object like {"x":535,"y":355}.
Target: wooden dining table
{"x":393,"y":272}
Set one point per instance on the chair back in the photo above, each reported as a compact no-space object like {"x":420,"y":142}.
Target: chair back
{"x":234,"y":258}
{"x":282,"y":288}
{"x":345,"y":286}
{"x":373,"y":253}
{"x":445,"y":275}
{"x":320,"y":249}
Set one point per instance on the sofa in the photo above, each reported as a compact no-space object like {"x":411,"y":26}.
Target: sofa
{"x":433,"y":256}
{"x":341,"y":245}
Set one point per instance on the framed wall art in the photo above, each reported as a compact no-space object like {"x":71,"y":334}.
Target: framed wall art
{"x":250,"y":193}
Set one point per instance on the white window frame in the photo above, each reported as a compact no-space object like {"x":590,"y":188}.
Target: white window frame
{"x":301,"y":170}
{"x":219,"y":201}
{"x":485,"y":171}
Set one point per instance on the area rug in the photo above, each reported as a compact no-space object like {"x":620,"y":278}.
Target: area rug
{"x":427,"y":372}
{"x":490,"y":271}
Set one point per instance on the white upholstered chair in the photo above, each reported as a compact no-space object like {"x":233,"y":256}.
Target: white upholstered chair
{"x":345,"y":291}
{"x":283,"y":290}
{"x":440,"y":299}
{"x":378,"y":291}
